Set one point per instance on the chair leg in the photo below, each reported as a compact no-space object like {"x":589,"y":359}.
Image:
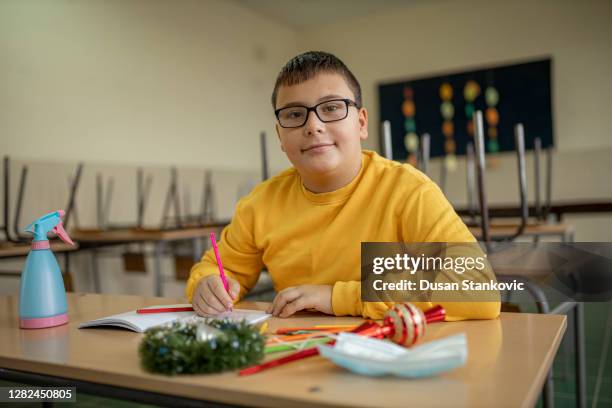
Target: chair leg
{"x":580,"y":355}
{"x":567,"y":350}
{"x":94,"y":270}
{"x":548,"y":395}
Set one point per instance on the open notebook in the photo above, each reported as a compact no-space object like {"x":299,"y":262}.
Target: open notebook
{"x":141,"y":322}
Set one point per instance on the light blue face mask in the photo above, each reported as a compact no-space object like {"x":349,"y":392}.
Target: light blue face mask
{"x":374,"y":357}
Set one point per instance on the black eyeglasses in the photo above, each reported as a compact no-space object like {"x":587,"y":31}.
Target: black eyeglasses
{"x":328,"y":111}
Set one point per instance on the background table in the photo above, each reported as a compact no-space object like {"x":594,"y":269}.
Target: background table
{"x":558,"y":208}
{"x":16,"y":250}
{"x":94,"y":239}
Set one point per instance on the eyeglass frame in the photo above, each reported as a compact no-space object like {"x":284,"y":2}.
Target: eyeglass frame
{"x":309,"y":109}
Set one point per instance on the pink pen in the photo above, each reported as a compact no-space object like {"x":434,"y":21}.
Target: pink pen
{"x":213,"y":241}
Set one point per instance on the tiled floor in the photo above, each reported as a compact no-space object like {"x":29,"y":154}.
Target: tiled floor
{"x":598,"y":332}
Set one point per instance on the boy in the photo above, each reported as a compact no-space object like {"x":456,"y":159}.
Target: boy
{"x":306,"y":224}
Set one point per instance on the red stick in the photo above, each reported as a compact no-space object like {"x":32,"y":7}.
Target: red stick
{"x":165,"y":310}
{"x":313,"y":351}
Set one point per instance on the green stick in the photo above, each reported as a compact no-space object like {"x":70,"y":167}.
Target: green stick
{"x":294,"y":346}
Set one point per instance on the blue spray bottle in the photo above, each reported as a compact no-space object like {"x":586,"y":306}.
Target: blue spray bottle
{"x":42,"y":297}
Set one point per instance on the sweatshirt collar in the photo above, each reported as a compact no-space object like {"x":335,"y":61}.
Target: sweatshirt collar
{"x":341,"y":194}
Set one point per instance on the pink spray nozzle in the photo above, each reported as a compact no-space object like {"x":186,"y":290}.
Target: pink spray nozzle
{"x":61,"y":233}
{"x":51,"y":222}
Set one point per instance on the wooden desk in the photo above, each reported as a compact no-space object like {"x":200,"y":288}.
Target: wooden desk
{"x":94,"y":239}
{"x":507,"y":230}
{"x":508,"y":359}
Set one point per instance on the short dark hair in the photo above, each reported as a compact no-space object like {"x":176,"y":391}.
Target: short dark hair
{"x":307,"y":65}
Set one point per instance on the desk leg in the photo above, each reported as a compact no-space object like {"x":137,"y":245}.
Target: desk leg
{"x":159,"y":252}
{"x":579,"y":350}
{"x":197,"y":249}
{"x":567,"y":236}
{"x":548,"y":397}
{"x":68,"y":283}
{"x":580,"y":355}
{"x":94,"y":270}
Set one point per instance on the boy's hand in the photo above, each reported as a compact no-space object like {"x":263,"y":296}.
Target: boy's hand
{"x":290,"y":300}
{"x":210,"y":297}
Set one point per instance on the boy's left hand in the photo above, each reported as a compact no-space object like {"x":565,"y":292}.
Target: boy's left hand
{"x":295,"y":298}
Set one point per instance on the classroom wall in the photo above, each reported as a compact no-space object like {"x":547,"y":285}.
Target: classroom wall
{"x":430,"y":38}
{"x":123,"y":83}
{"x":139,"y":81}
{"x":119,"y":84}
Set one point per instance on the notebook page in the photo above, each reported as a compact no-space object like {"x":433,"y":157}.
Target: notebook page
{"x":140,"y":322}
{"x":135,"y":321}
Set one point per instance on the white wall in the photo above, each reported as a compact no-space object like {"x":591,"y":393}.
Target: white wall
{"x":434,"y":37}
{"x":430,"y":38}
{"x":134,"y":81}
{"x":126,"y":83}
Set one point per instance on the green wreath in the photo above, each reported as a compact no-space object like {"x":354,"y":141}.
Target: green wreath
{"x":180,"y":347}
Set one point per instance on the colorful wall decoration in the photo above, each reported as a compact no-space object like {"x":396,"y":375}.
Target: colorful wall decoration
{"x":443,"y":106}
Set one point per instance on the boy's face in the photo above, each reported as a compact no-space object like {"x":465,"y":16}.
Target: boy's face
{"x":318,"y":148}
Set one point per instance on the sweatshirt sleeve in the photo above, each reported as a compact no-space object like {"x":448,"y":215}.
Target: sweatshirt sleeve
{"x":346,"y":301}
{"x":427,"y":217}
{"x":242,"y":259}
{"x":431,"y":218}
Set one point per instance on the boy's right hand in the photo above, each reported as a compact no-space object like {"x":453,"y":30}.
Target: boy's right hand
{"x":210,"y":297}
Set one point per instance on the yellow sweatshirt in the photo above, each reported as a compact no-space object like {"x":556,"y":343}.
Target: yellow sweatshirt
{"x":307,"y":238}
